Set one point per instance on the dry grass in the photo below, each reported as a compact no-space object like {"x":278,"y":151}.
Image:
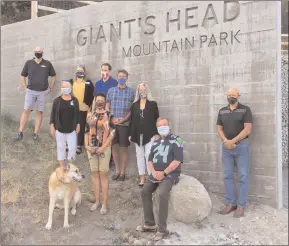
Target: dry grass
{"x":25,"y":166}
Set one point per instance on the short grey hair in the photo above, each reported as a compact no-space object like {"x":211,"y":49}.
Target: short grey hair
{"x":65,"y":82}
{"x":163,"y":118}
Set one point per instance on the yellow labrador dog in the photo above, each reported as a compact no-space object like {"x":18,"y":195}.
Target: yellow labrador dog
{"x":63,"y":187}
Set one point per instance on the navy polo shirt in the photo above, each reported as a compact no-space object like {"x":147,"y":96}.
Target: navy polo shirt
{"x":103,"y":87}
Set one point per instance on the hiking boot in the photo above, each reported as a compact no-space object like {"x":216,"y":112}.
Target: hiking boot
{"x":35,"y":136}
{"x":19,"y":136}
{"x":227,"y":209}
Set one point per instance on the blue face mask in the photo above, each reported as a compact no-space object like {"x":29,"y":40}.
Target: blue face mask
{"x":163,"y":130}
{"x":79,"y":74}
{"x":65,"y":91}
{"x":121,"y":81}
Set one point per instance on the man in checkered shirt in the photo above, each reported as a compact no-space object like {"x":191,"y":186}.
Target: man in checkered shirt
{"x":119,"y":100}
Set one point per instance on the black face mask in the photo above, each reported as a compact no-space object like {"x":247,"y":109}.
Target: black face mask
{"x":38,"y":55}
{"x":232,"y":100}
{"x":100,"y":105}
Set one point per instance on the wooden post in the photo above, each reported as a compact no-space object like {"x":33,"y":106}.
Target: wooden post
{"x":34,"y":9}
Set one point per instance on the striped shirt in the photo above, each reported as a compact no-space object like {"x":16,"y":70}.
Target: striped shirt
{"x":120,"y":100}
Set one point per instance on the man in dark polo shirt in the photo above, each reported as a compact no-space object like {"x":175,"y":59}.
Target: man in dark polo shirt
{"x":234,"y":124}
{"x":165,"y":160}
{"x":37,"y":70}
{"x":106,"y":82}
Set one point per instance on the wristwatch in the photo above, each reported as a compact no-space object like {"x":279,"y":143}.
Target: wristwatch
{"x":165,"y":174}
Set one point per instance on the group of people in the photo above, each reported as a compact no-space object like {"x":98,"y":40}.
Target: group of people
{"x":105,"y":117}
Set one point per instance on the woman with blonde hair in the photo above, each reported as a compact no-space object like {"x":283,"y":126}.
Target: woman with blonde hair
{"x":82,"y":89}
{"x":144,"y":115}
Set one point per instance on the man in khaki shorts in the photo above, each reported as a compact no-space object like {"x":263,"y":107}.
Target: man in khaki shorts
{"x":36,"y":90}
{"x":98,"y":137}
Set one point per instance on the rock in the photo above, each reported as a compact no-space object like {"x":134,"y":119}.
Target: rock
{"x":131,"y":240}
{"x":190,"y":201}
{"x":138,"y":242}
{"x":222,"y":237}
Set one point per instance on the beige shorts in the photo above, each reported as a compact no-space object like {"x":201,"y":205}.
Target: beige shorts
{"x":98,"y":164}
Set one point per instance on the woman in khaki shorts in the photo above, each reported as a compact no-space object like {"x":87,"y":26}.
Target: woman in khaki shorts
{"x":98,"y":136}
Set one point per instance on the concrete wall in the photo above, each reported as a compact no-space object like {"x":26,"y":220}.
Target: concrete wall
{"x":188,"y":84}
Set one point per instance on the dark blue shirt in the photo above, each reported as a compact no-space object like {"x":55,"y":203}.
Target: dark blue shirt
{"x":163,"y":152}
{"x":103,"y":87}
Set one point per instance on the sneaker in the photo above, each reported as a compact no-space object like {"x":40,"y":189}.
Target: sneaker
{"x":35,"y":136}
{"x":19,"y":136}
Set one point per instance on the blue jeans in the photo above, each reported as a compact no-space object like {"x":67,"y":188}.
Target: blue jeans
{"x":240,"y":155}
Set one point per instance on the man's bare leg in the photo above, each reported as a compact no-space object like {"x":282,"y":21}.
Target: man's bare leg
{"x":38,"y":120}
{"x":24,"y":119}
{"x":123,"y":156}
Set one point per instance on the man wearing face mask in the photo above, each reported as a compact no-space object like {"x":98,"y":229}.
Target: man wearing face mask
{"x":234,"y":125}
{"x":82,"y":89}
{"x":106,"y":82}
{"x":119,"y":100}
{"x":36,"y":90}
{"x":64,"y":123}
{"x":165,"y":160}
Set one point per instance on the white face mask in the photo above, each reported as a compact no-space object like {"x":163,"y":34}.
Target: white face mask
{"x":163,"y":130}
{"x":65,"y":91}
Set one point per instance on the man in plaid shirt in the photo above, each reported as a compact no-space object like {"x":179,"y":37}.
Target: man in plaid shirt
{"x":119,"y":101}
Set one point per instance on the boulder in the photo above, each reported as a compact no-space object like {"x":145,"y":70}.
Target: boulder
{"x":189,"y":201}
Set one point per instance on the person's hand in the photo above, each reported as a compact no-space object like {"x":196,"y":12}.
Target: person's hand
{"x":91,"y":149}
{"x":100,"y":150}
{"x":77,"y":129}
{"x":156,"y":137}
{"x":25,"y":88}
{"x":229,"y":144}
{"x":115,"y":121}
{"x":154,"y":174}
{"x":48,"y":90}
{"x":52,"y":130}
{"x":158,"y":175}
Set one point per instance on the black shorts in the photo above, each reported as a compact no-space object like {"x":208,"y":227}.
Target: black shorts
{"x":121,"y":136}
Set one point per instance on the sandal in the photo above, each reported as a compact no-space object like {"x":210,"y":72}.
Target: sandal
{"x":160,"y":235}
{"x":94,"y":207}
{"x":103,"y":210}
{"x":121,"y":177}
{"x":144,"y":228}
{"x":78,"y":150}
{"x":115,"y":176}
